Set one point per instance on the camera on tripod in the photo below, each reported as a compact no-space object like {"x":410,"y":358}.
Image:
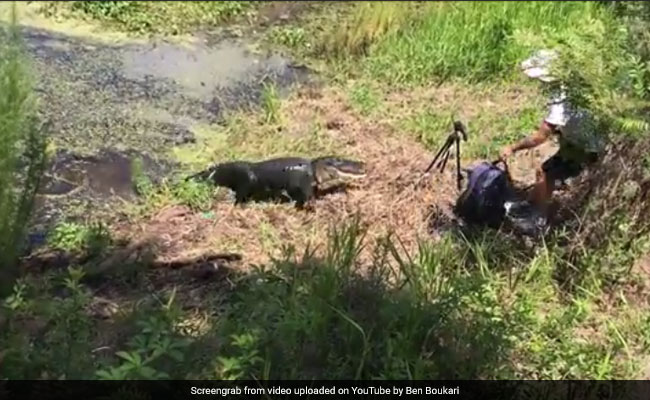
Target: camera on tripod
{"x":441,"y":158}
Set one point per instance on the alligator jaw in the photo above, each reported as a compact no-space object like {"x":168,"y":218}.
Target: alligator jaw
{"x":347,"y":175}
{"x":333,"y":171}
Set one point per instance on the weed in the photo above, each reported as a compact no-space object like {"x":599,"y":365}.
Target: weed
{"x":364,"y":99}
{"x":271,"y":104}
{"x":243,"y":361}
{"x":105,"y":9}
{"x":451,"y":306}
{"x":293,"y":37}
{"x":155,"y":348}
{"x":63,"y":346}
{"x":196,"y":195}
{"x":428,"y":127}
{"x":498,"y":130}
{"x":268,"y":237}
{"x":489,"y":130}
{"x":73,"y":237}
{"x":16,"y":300}
{"x":142,"y":183}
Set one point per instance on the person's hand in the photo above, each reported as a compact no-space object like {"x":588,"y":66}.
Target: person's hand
{"x":506,"y":152}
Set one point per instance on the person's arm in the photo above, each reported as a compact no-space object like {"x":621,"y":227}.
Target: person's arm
{"x":540,"y":136}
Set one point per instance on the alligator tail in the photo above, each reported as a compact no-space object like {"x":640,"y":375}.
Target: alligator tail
{"x":203,"y":175}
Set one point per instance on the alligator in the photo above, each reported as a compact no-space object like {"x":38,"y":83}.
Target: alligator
{"x":292,"y":178}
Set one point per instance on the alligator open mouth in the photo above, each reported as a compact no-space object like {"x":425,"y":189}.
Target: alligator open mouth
{"x":342,"y":166}
{"x":333,"y":171}
{"x":352,"y":174}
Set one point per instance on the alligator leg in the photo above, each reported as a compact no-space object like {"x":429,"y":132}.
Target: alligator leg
{"x":242,"y":196}
{"x":302,"y":193}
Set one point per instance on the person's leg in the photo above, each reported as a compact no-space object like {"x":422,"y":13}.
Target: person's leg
{"x":542,"y":192}
{"x":555,"y":168}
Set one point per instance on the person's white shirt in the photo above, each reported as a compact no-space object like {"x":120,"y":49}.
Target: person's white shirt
{"x":559,"y":112}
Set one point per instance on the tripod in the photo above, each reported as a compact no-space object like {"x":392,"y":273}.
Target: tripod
{"x":453,"y":138}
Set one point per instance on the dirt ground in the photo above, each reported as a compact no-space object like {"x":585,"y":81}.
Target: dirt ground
{"x":391,"y":199}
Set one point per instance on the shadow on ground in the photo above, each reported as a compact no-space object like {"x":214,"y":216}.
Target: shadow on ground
{"x":301,"y":316}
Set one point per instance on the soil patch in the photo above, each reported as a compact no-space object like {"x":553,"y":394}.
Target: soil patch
{"x":387,"y":200}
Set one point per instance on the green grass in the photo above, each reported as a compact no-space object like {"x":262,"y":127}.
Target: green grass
{"x":470,"y":40}
{"x":364,"y":98}
{"x":458,"y":311}
{"x":271,"y":104}
{"x":489,"y":128}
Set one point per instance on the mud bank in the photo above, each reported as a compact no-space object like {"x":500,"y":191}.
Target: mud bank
{"x":107,"y":102}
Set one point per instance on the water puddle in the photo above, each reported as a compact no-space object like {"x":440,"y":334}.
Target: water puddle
{"x":199,"y":69}
{"x":107,"y":174}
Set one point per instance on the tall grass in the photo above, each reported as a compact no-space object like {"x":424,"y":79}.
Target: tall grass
{"x":471,"y":40}
{"x":22,"y":154}
{"x":463,"y":308}
{"x":369,"y":23}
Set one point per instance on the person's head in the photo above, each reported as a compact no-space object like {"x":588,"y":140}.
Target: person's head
{"x":538,"y":66}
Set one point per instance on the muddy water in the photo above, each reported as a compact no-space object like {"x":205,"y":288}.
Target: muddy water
{"x":109,"y":101}
{"x":106,"y":174}
{"x":201,"y":70}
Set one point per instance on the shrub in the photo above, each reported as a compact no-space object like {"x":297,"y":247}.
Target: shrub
{"x":22,"y":154}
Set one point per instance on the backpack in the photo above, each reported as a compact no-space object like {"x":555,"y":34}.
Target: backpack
{"x":482,"y":202}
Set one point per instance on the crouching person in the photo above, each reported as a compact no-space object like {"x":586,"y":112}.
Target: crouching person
{"x":580,"y":142}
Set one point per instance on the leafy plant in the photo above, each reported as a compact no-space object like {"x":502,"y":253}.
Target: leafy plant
{"x":238,"y":366}
{"x":155,"y":346}
{"x":22,"y":154}
{"x":106,"y":8}
{"x":70,"y":236}
{"x":154,"y":17}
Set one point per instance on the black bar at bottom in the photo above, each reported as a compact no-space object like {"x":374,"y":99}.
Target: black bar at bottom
{"x":465,"y":390}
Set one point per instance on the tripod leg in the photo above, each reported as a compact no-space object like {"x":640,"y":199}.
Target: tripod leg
{"x":459,"y":176}
{"x":435,"y":159}
{"x":443,"y":162}
{"x":443,"y":149}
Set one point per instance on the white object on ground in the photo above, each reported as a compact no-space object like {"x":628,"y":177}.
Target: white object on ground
{"x":538,"y":66}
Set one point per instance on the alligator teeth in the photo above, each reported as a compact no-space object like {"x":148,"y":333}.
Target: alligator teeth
{"x":353,"y":176}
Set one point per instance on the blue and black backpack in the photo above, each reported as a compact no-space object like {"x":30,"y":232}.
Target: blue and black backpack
{"x":482,"y":202}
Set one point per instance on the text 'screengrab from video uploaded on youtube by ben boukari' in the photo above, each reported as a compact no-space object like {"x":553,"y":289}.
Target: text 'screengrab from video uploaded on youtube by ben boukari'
{"x":333,"y":390}
{"x":465,"y":390}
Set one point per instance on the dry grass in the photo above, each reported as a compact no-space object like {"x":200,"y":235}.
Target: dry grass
{"x":386,"y":201}
{"x":390,"y":200}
